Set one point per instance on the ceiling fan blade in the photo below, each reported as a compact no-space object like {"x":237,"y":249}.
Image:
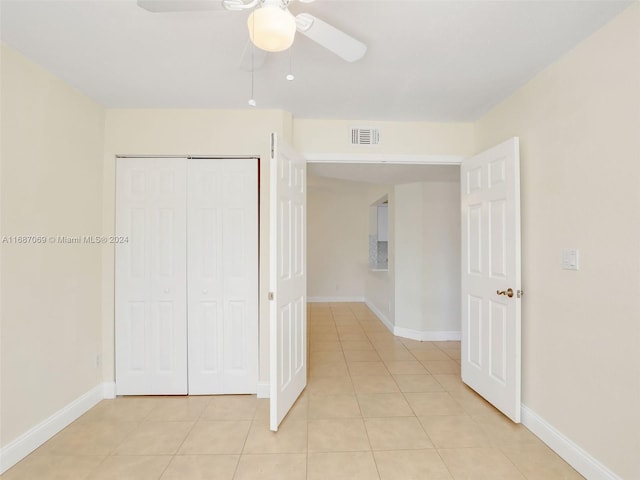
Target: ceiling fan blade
{"x":259,"y":57}
{"x":343,"y":45}
{"x":161,"y":6}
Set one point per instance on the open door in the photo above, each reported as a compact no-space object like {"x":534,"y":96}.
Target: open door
{"x":288,"y":279}
{"x":491,"y":284}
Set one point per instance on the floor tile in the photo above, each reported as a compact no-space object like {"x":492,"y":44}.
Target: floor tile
{"x":342,"y":466}
{"x":417,"y":383}
{"x":357,"y":345}
{"x":178,"y":409}
{"x":434,"y":354}
{"x":367,"y":369}
{"x":401,"y":433}
{"x":274,"y":466}
{"x":479,"y":464}
{"x":330,"y":386}
{"x":406,"y":367}
{"x":201,"y":467}
{"x":374,"y":384}
{"x":441,"y":366}
{"x":411,"y":465}
{"x":329,"y":369}
{"x":291,"y":437}
{"x":361,"y":356}
{"x":344,"y":435}
{"x":135,"y":467}
{"x":89,"y":438}
{"x":122,"y":409}
{"x":503,"y":432}
{"x":333,"y":406}
{"x":538,"y":462}
{"x":454,"y":431}
{"x":54,"y":467}
{"x":212,"y":437}
{"x":397,"y":354}
{"x":231,"y":407}
{"x":155,"y":438}
{"x":384,"y":405}
{"x":433,"y":403}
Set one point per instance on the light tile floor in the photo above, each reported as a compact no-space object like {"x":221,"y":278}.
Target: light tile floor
{"x":376,"y":407}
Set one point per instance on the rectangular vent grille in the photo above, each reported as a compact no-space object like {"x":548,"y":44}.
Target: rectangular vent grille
{"x":365,"y":136}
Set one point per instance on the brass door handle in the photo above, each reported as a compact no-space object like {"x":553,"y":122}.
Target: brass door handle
{"x":508,"y":292}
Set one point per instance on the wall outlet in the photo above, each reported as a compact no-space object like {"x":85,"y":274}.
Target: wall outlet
{"x":97,"y":360}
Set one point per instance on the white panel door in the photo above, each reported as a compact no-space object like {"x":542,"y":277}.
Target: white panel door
{"x":150,"y":295}
{"x":288,"y":282}
{"x":222,"y":253}
{"x":491,"y":284}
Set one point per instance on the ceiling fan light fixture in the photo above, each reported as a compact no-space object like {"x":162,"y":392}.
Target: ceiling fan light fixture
{"x":271,"y":28}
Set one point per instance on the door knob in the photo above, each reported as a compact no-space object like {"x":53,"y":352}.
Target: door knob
{"x":508,"y":292}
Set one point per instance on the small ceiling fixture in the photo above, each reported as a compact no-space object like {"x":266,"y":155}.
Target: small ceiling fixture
{"x":272,"y":27}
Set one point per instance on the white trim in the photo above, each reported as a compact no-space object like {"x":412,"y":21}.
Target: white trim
{"x":109,"y":390}
{"x":334,"y":299}
{"x":381,"y":316}
{"x":264,"y":390}
{"x":426,"y":336}
{"x":573,"y":454}
{"x":30,"y":440}
{"x":383,"y":158}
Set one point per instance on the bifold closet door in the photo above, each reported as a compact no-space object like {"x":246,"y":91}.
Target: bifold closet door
{"x":222,"y":259}
{"x":151,"y":307}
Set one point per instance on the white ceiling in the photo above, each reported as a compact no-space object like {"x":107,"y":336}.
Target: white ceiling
{"x":442,"y":60}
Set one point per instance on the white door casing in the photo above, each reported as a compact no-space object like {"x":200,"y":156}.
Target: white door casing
{"x":222,"y":269}
{"x":287,"y":312}
{"x":150,"y":298}
{"x":490,"y":208}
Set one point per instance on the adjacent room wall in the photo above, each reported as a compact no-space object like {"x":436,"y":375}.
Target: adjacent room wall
{"x":441,"y":258}
{"x":427,"y":260}
{"x":578,"y":123}
{"x":379,"y":285}
{"x":337,"y":239}
{"x":189,"y":132}
{"x":51,"y":150}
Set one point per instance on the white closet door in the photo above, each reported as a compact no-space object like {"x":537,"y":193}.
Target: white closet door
{"x":222,"y":252}
{"x":151,"y":335}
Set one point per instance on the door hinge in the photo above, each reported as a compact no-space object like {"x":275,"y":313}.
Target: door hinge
{"x":271,"y":296}
{"x":273,"y":145}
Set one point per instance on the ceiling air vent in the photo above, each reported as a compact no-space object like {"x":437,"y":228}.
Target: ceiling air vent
{"x":365,"y":136}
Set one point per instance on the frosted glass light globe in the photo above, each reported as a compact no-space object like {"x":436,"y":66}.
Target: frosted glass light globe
{"x":271,"y":28}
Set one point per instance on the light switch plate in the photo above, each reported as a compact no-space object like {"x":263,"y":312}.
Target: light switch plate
{"x":570,"y":259}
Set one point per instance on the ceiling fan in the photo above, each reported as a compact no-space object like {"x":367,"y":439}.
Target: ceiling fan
{"x":271,"y":25}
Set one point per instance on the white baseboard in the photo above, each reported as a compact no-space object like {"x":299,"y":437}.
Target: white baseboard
{"x":26,"y":443}
{"x":574,"y":455}
{"x":421,"y":336}
{"x":334,"y":299}
{"x":264,"y":390}
{"x":383,"y":318}
{"x":109,"y":390}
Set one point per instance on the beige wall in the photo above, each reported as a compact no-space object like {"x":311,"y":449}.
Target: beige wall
{"x":312,"y":137}
{"x":337,"y":238}
{"x":427,"y":256}
{"x":51,"y":153}
{"x":189,"y":132}
{"x":579,"y":128}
